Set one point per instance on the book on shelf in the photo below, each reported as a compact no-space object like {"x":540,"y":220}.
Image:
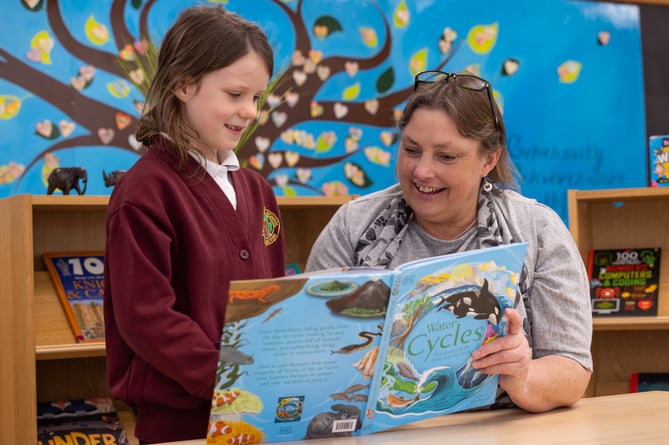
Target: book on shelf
{"x":79,"y":421}
{"x":649,"y":381}
{"x":624,"y":282}
{"x":78,"y":279}
{"x":658,"y":147}
{"x":354,"y":351}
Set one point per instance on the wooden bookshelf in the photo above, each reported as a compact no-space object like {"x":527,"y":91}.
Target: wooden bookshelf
{"x":41,"y":359}
{"x":614,"y":219}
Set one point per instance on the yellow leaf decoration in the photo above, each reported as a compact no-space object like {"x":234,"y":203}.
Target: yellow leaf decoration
{"x":369,"y":37}
{"x":352,"y":92}
{"x":96,"y":32}
{"x":569,"y":71}
{"x":482,"y":38}
{"x":9,"y":106}
{"x":418,"y":62}
{"x":401,"y":15}
{"x":40,"y":48}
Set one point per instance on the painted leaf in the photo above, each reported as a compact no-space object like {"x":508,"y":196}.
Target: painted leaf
{"x":401,"y":15}
{"x":369,"y":37}
{"x":418,"y":62}
{"x":482,"y":38}
{"x":326,"y":25}
{"x":385,"y":80}
{"x":352,"y":92}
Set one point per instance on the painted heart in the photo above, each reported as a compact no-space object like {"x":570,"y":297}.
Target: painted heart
{"x":257,"y":161}
{"x":275,"y":159}
{"x":134,"y":143}
{"x":309,"y":66}
{"x":141,"y":47}
{"x":299,"y":77}
{"x":316,"y":56}
{"x":127,"y":53}
{"x":372,"y":106}
{"x":78,"y":83}
{"x":122,"y":120}
{"x":137,"y":76}
{"x":320,"y":31}
{"x":292,"y":158}
{"x":388,"y":138}
{"x":34,"y":55}
{"x":315,"y":109}
{"x":297,"y":58}
{"x":287,"y":136}
{"x":351,"y":145}
{"x":323,"y":72}
{"x":340,"y":110}
{"x":66,"y":128}
{"x":262,"y":143}
{"x":292,"y":98}
{"x":45,"y":44}
{"x":31,"y":4}
{"x":44,"y":128}
{"x":303,"y":175}
{"x":279,"y":118}
{"x":105,"y":135}
{"x":281,"y":180}
{"x":351,"y":68}
{"x":445,"y":46}
{"x":87,"y":72}
{"x":273,"y":100}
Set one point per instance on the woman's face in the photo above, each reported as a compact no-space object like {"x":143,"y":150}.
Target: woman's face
{"x":440,"y":172}
{"x":222,"y":105}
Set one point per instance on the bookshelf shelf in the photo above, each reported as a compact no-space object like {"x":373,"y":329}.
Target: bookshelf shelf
{"x":46,"y":362}
{"x":614,"y":219}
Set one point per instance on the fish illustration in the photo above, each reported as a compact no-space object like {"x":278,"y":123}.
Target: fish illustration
{"x":234,"y":356}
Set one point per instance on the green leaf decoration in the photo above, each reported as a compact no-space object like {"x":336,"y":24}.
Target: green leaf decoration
{"x":352,"y":92}
{"x":288,"y":191}
{"x":136,"y":4}
{"x":385,"y":80}
{"x":326,"y":25}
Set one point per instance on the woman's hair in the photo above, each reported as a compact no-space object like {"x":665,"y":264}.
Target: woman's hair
{"x":473,"y":117}
{"x":203,"y":39}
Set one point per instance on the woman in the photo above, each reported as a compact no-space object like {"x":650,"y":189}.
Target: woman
{"x":184,"y":221}
{"x":456,"y":193}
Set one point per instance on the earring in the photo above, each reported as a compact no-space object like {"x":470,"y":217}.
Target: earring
{"x":487,"y":186}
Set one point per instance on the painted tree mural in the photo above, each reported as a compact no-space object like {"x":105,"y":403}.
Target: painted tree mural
{"x":278,"y":149}
{"x":72,"y":76}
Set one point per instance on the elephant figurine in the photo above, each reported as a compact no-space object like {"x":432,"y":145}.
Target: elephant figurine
{"x":66,"y":179}
{"x":112,"y":178}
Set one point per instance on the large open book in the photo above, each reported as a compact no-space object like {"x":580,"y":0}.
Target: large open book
{"x":355,"y":351}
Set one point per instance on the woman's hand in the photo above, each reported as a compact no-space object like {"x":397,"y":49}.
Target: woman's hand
{"x":535,"y":385}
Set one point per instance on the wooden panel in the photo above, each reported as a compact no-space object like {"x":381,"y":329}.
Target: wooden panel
{"x":71,"y":379}
{"x":17,"y":365}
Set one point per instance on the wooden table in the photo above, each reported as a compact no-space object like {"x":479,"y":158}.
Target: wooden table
{"x":639,"y":418}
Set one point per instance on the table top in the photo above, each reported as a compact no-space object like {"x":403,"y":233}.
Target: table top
{"x":613,"y":420}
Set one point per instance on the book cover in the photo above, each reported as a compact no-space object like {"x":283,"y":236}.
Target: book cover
{"x":624,"y":282}
{"x":649,"y":381}
{"x":658,"y":147}
{"x":359,"y":350}
{"x":78,"y":279}
{"x":79,"y":421}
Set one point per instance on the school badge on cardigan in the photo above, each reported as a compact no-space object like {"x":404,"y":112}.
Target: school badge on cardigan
{"x":270,"y":227}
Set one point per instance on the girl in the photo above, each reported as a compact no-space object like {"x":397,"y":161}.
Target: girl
{"x":184,"y":221}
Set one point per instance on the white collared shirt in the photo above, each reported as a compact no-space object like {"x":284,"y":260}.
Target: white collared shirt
{"x":221,"y":171}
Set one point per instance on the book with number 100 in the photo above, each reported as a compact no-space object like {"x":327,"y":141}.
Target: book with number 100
{"x":78,"y":279}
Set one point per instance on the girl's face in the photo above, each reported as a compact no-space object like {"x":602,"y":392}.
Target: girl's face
{"x":222,"y":105}
{"x":440,"y":172}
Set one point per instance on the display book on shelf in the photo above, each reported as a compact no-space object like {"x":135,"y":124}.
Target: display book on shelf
{"x":78,"y":280}
{"x":79,"y":421}
{"x":354,"y":351}
{"x":658,"y":147}
{"x":624,"y":282}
